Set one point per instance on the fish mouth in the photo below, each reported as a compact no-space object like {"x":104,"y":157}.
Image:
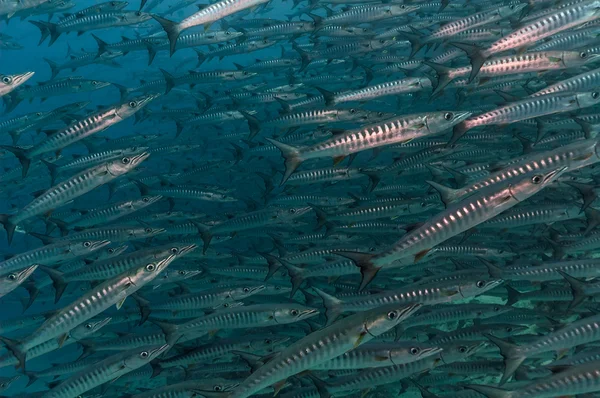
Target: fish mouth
{"x":22,"y":77}
{"x":154,"y":199}
{"x":185,"y":249}
{"x":99,"y":244}
{"x":139,"y":158}
{"x":461,"y":116}
{"x":308,"y":313}
{"x":257,"y":289}
{"x":102,"y":323}
{"x":554,"y":174}
{"x":157,"y":351}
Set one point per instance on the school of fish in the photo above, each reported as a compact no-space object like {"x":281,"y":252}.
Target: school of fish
{"x":300,"y":198}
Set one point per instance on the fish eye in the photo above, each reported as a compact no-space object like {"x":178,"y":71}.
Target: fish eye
{"x":536,"y":179}
{"x":245,"y":73}
{"x":292,"y":211}
{"x":181,"y":272}
{"x":145,"y":200}
{"x":462,"y":349}
{"x":268,"y":341}
{"x":392,"y":315}
{"x":174,"y":250}
{"x":595,"y":95}
{"x":228,"y":33}
{"x":582,"y":54}
{"x":480,"y":283}
{"x":352,"y":110}
{"x":125,"y":160}
{"x":423,"y":204}
{"x":500,"y":251}
{"x":150,"y":267}
{"x":88,"y":326}
{"x":144,"y":354}
{"x":138,"y":13}
{"x":415,"y":350}
{"x":111,"y":251}
{"x":39,"y":114}
{"x":87,"y":244}
{"x":277,"y":288}
{"x":95,"y":83}
{"x":132,"y":104}
{"x":12,"y":277}
{"x":218,"y":388}
{"x":381,"y":41}
{"x":7,"y":79}
{"x":512,"y":7}
{"x":294,"y":312}
{"x":246,"y":290}
{"x":448,"y":116}
{"x":148,"y":230}
{"x":496,"y":309}
{"x":509,"y":329}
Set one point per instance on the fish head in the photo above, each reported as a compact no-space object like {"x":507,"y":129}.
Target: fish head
{"x":146,"y":231}
{"x":183,"y":274}
{"x":242,"y":292}
{"x":144,"y":201}
{"x":10,"y":45}
{"x":574,"y":59}
{"x":460,"y":350}
{"x":293,"y":212}
{"x":271,"y":289}
{"x":18,"y":277}
{"x":145,"y":273}
{"x":88,"y":328}
{"x":131,"y":106}
{"x":114,"y":5}
{"x":588,"y":98}
{"x":110,"y":252}
{"x":91,"y":85}
{"x":381,"y":43}
{"x":512,"y":9}
{"x":401,"y":9}
{"x":384,"y":318}
{"x":531,"y":183}
{"x":269,"y":343}
{"x":411,"y":352}
{"x":77,"y":249}
{"x":293,"y":313}
{"x":476,"y":286}
{"x":125,"y":164}
{"x":134,"y":17}
{"x":140,"y":356}
{"x":440,"y":121}
{"x":5,"y":383}
{"x":16,"y":79}
{"x":507,"y":330}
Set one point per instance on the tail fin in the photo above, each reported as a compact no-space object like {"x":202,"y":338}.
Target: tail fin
{"x":201,"y":57}
{"x":362,"y":261}
{"x":292,"y":158}
{"x":102,"y":45}
{"x":328,"y":96}
{"x":577,"y":289}
{"x":9,"y":226}
{"x":416,"y":41}
{"x":22,"y":155}
{"x":443,"y":76}
{"x":304,"y":56}
{"x":205,"y":234}
{"x":52,"y":169}
{"x":53,"y":67}
{"x":172,"y":333}
{"x":448,"y":195}
{"x":512,"y":356}
{"x":475,"y":55}
{"x":14,"y":346}
{"x":321,"y":215}
{"x":458,"y":131}
{"x":296,"y":276}
{"x":253,"y":124}
{"x":169,"y":79}
{"x":333,"y":306}
{"x":513,"y":295}
{"x":44,"y":30}
{"x":374,"y":178}
{"x":58,"y":281}
{"x":172,"y":29}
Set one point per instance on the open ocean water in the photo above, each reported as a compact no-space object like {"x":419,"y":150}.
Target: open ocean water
{"x":301,"y":198}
